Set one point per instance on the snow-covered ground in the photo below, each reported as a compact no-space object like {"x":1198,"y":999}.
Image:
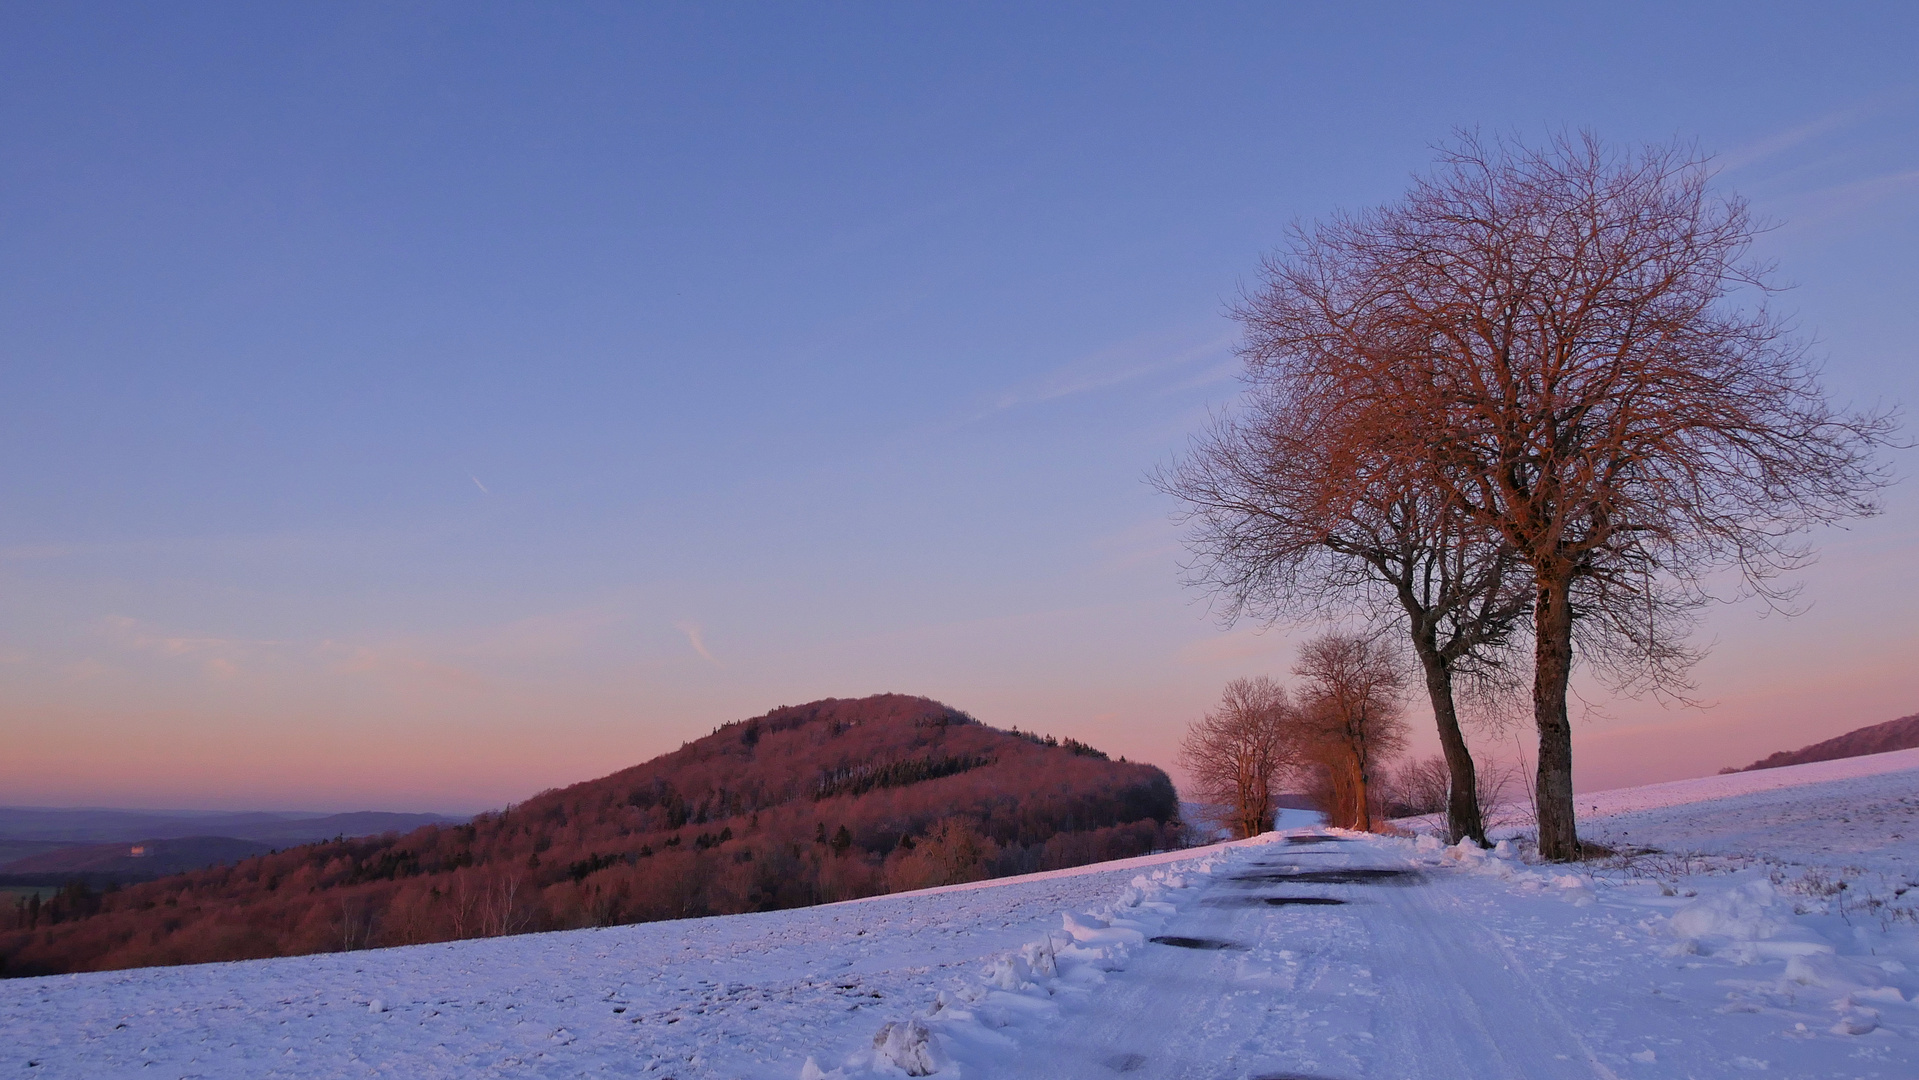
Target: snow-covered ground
{"x":1731,"y":951}
{"x":1860,"y":813}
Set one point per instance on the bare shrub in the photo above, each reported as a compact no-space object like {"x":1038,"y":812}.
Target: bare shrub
{"x":1416,"y":788}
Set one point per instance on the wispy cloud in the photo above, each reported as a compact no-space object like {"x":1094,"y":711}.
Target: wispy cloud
{"x":1823,"y":205}
{"x":697,"y":638}
{"x":1785,"y":140}
{"x":1126,"y":362}
{"x":1779,"y":142}
{"x":218,"y":657}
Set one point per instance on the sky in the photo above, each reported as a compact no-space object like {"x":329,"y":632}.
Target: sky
{"x":419,"y":406}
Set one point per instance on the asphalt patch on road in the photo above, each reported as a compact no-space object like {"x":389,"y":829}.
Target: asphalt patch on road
{"x":1316,"y":839}
{"x":1195,"y":942}
{"x":1344,"y":875}
{"x":1275,"y":901}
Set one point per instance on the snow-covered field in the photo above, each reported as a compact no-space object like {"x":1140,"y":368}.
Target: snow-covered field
{"x":1731,"y":951}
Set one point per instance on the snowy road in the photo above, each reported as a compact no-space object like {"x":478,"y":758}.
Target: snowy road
{"x":1304,"y":969}
{"x":1351,"y":960}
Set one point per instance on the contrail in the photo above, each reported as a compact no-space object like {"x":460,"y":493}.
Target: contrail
{"x":477,"y":484}
{"x":698,"y":641}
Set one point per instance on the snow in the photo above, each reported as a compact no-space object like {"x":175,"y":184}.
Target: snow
{"x":1861,"y":813}
{"x":1727,"y":785}
{"x":1770,"y":933}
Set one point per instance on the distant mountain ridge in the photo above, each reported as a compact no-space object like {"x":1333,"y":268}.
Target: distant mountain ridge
{"x":102,"y":864}
{"x":51,"y":846}
{"x":1900,"y":734}
{"x":805,"y":804}
{"x":94,"y":825}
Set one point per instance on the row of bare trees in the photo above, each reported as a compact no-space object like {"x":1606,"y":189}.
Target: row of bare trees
{"x":1529,"y":414}
{"x":1340,"y":726}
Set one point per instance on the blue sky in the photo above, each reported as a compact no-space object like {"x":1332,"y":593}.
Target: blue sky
{"x":422,"y":405}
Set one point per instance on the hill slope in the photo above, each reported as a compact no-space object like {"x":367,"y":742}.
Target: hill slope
{"x":827,"y":801}
{"x":1900,"y":734}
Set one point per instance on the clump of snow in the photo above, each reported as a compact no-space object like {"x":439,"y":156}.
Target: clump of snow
{"x":1093,"y":930}
{"x":1742,"y":913}
{"x":908,"y":1046}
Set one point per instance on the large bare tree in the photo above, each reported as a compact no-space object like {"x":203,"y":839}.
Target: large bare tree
{"x":1350,"y":687}
{"x":1572,"y":347}
{"x":1289,"y":521}
{"x":1236,"y":752}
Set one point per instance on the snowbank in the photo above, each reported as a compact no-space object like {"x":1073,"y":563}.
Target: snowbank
{"x":968,"y":1029}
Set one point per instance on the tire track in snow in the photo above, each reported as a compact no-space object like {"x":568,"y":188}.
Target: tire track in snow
{"x":1460,"y":1005}
{"x":1395,"y":982}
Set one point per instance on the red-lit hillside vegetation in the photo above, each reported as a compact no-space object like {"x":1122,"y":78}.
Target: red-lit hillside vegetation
{"x":1900,"y":734}
{"x":808,"y":803}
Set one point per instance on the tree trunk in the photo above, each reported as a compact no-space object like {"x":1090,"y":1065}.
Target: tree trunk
{"x":1463,"y":814}
{"x":1251,"y":807}
{"x":1339,"y":777}
{"x":1552,"y":669}
{"x":1362,"y":805}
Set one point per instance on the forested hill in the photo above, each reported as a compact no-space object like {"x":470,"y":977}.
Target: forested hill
{"x":1900,"y":734}
{"x":806,"y":804}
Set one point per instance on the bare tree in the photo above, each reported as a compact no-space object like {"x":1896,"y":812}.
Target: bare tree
{"x":1289,"y":521}
{"x":1351,"y":688}
{"x":505,"y":911}
{"x":1418,"y":787}
{"x":1572,"y":347}
{"x":358,"y":923}
{"x":1235,"y":753}
{"x":1423,"y":786}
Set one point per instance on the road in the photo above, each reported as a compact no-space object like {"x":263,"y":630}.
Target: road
{"x":1322,"y":959}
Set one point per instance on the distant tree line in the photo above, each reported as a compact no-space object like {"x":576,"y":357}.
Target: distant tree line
{"x":859,"y":780}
